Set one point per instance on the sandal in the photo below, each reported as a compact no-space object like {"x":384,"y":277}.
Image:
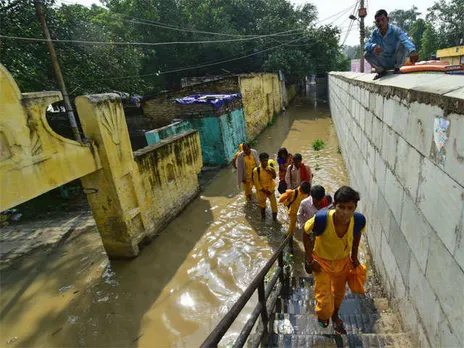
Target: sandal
{"x":339,"y":328}
{"x":323,"y":323}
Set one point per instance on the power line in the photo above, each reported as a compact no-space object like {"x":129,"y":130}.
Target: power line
{"x":351,"y":24}
{"x":117,"y":43}
{"x":342,"y":11}
{"x":184,"y":29}
{"x":128,"y":43}
{"x":194,"y":67}
{"x":168,"y":27}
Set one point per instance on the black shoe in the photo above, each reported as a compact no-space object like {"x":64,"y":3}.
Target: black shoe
{"x":380,"y":75}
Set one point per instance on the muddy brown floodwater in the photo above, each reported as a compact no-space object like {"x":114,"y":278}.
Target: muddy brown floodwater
{"x":182,"y":284}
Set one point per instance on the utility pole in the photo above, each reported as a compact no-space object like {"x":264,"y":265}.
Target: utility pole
{"x":56,"y":67}
{"x":362,"y":13}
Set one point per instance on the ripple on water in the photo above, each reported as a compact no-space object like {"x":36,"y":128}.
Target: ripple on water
{"x":177,"y":298}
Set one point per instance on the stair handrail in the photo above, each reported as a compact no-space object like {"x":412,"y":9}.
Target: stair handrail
{"x":258,"y":283}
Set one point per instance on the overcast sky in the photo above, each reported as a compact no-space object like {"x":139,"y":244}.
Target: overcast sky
{"x":327,"y":8}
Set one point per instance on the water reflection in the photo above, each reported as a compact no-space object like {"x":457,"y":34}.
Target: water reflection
{"x":183,"y":283}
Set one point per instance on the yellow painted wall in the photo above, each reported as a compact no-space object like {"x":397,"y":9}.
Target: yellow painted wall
{"x":136,"y":194}
{"x":169,"y":172}
{"x":452,"y":55}
{"x":33,"y":158}
{"x":132,"y":196}
{"x":262,"y":97}
{"x":291,"y":93}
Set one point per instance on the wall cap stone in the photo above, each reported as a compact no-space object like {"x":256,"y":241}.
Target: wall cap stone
{"x":442,"y":90}
{"x":163,"y":142}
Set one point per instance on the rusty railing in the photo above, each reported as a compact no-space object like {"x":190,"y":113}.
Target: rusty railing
{"x":264,"y":307}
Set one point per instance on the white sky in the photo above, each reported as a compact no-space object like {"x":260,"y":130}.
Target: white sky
{"x":327,"y":8}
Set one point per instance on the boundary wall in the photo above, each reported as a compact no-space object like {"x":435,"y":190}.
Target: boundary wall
{"x":402,"y":140}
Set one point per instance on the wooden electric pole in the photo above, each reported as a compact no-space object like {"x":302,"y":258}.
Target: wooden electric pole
{"x":362,"y":13}
{"x":56,"y":67}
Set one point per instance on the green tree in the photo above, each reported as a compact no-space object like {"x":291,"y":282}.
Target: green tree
{"x":448,"y":17}
{"x":404,"y":18}
{"x":430,"y":43}
{"x":300,"y":48}
{"x":416,"y":33}
{"x":351,"y":52}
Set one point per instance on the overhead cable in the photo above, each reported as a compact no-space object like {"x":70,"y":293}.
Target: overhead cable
{"x":195,"y":66}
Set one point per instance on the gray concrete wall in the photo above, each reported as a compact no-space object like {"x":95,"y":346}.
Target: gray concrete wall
{"x":411,"y":192}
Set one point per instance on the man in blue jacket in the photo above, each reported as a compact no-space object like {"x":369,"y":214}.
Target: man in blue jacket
{"x":388,"y":46}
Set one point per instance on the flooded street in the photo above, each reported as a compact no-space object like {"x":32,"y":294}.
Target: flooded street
{"x":182,"y":284}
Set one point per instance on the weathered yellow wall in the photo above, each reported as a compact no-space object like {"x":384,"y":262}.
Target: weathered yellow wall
{"x":131,"y":199}
{"x":134,"y":197}
{"x":291,"y":93}
{"x":262,"y":97}
{"x":33,"y":158}
{"x":169,"y":172}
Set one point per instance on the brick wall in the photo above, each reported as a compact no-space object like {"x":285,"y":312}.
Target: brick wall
{"x":162,"y":109}
{"x":412,"y":194}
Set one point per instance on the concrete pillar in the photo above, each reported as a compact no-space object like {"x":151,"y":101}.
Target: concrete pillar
{"x":113,"y":191}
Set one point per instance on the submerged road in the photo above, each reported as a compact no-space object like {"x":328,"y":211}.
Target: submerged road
{"x":182,"y":284}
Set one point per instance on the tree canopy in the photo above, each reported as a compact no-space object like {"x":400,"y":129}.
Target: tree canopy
{"x":257,"y":35}
{"x":443,"y":26}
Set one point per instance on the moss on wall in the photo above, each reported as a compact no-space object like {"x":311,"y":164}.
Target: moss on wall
{"x":169,"y":173}
{"x":262,"y":98}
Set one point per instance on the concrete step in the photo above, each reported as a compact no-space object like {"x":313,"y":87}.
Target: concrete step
{"x":361,"y":305}
{"x":399,"y":340}
{"x":303,"y":324}
{"x":300,"y":300}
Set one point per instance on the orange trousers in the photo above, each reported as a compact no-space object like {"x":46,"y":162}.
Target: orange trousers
{"x":291,"y":224}
{"x":247,"y":188}
{"x":330,"y":285}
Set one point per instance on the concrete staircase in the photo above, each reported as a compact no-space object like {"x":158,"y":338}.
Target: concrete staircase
{"x":369,"y":321}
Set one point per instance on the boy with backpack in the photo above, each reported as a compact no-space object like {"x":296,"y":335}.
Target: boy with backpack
{"x":331,"y":241}
{"x":292,"y":199}
{"x":263,"y":179}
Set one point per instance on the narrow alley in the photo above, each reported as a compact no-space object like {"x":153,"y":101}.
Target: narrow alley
{"x":182,"y":284}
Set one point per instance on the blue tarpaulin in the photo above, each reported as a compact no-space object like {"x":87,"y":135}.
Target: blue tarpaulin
{"x":215,"y":99}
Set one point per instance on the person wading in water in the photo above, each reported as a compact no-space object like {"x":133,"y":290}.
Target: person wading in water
{"x":246,"y":161}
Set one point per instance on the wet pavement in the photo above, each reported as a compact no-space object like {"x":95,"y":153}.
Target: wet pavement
{"x":182,"y":284}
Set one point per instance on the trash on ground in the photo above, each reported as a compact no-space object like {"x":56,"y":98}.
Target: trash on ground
{"x":11,"y":340}
{"x":65,"y":288}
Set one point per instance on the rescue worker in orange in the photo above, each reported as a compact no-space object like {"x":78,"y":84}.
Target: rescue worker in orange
{"x":246,"y":161}
{"x":292,"y":200}
{"x":331,"y":241}
{"x":263,"y":179}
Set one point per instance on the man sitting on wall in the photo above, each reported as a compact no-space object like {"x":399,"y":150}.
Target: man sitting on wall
{"x":388,"y":46}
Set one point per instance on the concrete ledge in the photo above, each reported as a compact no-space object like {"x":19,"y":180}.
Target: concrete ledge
{"x":163,"y":142}
{"x":409,"y":172}
{"x":445,"y":91}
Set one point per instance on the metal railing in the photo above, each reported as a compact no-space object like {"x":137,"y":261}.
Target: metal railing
{"x":263,"y":308}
